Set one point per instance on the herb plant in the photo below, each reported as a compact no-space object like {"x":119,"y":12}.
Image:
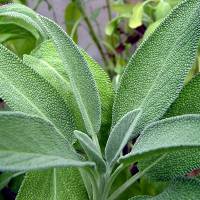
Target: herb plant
{"x":66,"y":129}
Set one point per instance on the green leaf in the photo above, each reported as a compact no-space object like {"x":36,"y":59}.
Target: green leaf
{"x":61,"y":184}
{"x":22,"y":12}
{"x":104,"y":87}
{"x":91,"y":150}
{"x":32,"y":94}
{"x":81,"y":79}
{"x":155,"y":74}
{"x":187,"y":101}
{"x":72,"y":15}
{"x":137,"y":15}
{"x":186,"y":160}
{"x":119,"y":136}
{"x":112,"y":25}
{"x":184,"y":189}
{"x":52,"y":72}
{"x":6,"y":177}
{"x":29,"y":143}
{"x":162,"y":9}
{"x":165,"y":136}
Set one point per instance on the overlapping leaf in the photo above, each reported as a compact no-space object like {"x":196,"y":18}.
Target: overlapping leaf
{"x":183,"y":161}
{"x":85,"y":92}
{"x":91,"y":150}
{"x":26,"y":91}
{"x":178,"y":189}
{"x":155,"y":74}
{"x":176,"y":133}
{"x":29,"y":143}
{"x":61,"y":184}
{"x":119,"y":136}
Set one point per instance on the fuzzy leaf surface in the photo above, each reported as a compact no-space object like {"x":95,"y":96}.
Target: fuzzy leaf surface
{"x":26,"y":91}
{"x":51,"y":184}
{"x":81,"y":79}
{"x":181,"y":162}
{"x":29,"y":143}
{"x":167,"y":135}
{"x":155,"y":74}
{"x":91,"y":150}
{"x":119,"y":136}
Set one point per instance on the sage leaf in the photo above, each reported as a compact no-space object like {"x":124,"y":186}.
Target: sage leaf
{"x":91,"y":150}
{"x":119,"y":136}
{"x":24,"y":13}
{"x":186,"y":160}
{"x":81,"y":79}
{"x":32,"y":94}
{"x":62,"y":184}
{"x":155,"y":74}
{"x":164,"y":136}
{"x":29,"y":143}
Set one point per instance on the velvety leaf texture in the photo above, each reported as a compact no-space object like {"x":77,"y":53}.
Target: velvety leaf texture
{"x":24,"y":13}
{"x":91,"y":150}
{"x":32,"y":94}
{"x":155,"y":74}
{"x":60,"y":184}
{"x":178,"y":189}
{"x":29,"y":143}
{"x":85,"y":91}
{"x":183,"y":161}
{"x":119,"y":136}
{"x":188,"y":101}
{"x":166,"y":135}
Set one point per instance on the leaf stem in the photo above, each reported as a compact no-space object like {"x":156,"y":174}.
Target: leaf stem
{"x":133,"y":179}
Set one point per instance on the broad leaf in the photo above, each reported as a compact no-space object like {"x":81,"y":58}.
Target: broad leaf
{"x":176,"y":133}
{"x":155,"y":74}
{"x":91,"y":150}
{"x":29,"y":143}
{"x":81,"y":79}
{"x":178,"y":189}
{"x":186,"y":160}
{"x":32,"y":94}
{"x":119,"y":136}
{"x":61,"y":184}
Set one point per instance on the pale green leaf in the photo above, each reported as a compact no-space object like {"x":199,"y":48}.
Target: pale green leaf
{"x":119,"y":136}
{"x":32,"y":94}
{"x":60,"y":184}
{"x":184,"y":189}
{"x":162,"y":10}
{"x":183,"y":161}
{"x":81,"y":79}
{"x":23,"y":13}
{"x":33,"y":143}
{"x":137,"y":15}
{"x":104,"y":87}
{"x":91,"y":150}
{"x":172,"y":134}
{"x":155,"y":74}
